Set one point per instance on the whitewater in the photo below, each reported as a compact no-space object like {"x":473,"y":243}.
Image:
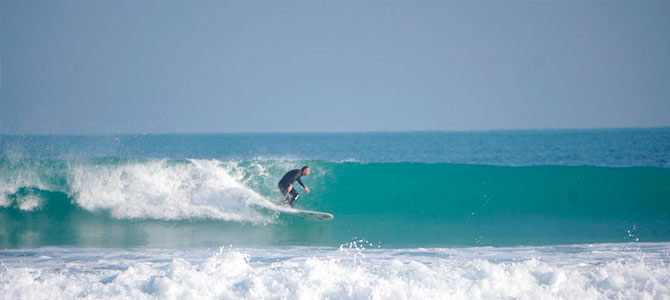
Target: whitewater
{"x":603,"y":271}
{"x":548,"y":214}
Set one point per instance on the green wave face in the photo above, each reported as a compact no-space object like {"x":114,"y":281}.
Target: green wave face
{"x":437,"y":204}
{"x":168,"y":203}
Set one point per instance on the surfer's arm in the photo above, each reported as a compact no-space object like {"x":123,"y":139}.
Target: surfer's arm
{"x":303,"y":186}
{"x":300,"y":181}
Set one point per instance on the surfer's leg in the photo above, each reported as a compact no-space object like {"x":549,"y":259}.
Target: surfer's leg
{"x":293,"y":195}
{"x":287,"y":195}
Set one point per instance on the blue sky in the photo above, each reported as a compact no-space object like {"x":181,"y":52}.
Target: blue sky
{"x":290,"y":66}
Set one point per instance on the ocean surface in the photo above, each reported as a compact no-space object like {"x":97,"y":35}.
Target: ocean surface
{"x":537,"y":214}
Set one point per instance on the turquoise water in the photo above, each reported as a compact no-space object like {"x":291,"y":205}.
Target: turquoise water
{"x":545,"y":214}
{"x":431,"y":189}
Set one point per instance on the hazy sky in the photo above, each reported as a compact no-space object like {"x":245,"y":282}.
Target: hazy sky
{"x":277,"y":66}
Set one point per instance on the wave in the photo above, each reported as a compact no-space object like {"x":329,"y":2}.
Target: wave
{"x":401,"y":203}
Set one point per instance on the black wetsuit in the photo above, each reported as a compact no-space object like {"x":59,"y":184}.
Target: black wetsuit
{"x":288,"y":179}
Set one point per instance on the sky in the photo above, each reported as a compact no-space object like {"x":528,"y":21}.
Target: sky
{"x":116,"y":67}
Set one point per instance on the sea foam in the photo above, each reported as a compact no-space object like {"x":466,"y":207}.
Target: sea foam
{"x":574,"y":272}
{"x":161,"y":189}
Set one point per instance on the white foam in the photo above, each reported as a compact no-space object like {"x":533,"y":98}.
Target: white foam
{"x":163,"y":189}
{"x":316,"y":273}
{"x":4,"y":200}
{"x":21,"y":174}
{"x":30,"y":202}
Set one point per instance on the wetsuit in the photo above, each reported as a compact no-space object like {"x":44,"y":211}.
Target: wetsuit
{"x":288,"y":179}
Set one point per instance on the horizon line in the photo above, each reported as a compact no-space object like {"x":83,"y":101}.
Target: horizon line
{"x":343,"y":132}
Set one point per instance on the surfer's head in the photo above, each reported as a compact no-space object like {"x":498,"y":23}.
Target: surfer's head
{"x":305,"y":171}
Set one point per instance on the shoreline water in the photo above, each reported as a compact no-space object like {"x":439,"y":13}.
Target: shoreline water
{"x":631,"y":271}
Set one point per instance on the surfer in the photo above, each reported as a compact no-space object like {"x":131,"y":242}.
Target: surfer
{"x":286,"y":184}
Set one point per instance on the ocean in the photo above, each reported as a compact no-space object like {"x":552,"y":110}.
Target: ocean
{"x":529,"y":214}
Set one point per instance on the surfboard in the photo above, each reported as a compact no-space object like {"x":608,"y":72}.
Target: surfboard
{"x":305,"y":214}
{"x":309,"y":214}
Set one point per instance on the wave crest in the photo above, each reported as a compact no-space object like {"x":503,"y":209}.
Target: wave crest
{"x":156,"y":189}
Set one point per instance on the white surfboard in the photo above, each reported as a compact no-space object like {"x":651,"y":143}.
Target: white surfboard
{"x":305,"y":214}
{"x":308,"y":214}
